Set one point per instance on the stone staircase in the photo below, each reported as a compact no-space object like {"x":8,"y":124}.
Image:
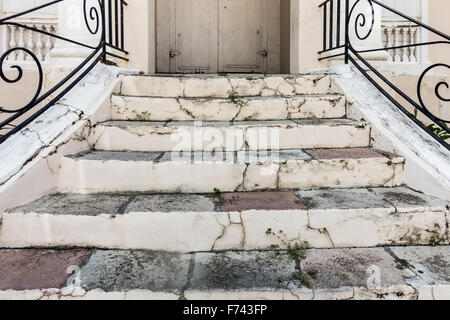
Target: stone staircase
{"x":195,"y":175}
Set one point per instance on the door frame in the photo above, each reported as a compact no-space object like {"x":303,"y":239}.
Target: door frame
{"x":146,"y":57}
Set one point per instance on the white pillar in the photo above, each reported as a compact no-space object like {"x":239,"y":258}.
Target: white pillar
{"x":72,"y":25}
{"x":295,"y":37}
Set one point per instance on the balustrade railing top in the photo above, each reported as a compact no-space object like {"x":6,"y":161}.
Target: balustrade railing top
{"x":102,"y":18}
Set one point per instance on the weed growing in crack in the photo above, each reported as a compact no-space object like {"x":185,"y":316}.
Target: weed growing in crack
{"x":296,"y":251}
{"x":233,"y":95}
{"x":304,"y":281}
{"x":217,"y":191}
{"x":435,"y":239}
{"x":144,"y":116}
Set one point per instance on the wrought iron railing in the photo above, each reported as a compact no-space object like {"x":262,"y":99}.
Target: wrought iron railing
{"x":104,"y":18}
{"x":339,"y":33}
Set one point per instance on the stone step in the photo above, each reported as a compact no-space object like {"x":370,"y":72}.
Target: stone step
{"x":199,"y":172}
{"x":408,"y":273}
{"x":229,"y":136}
{"x":225,"y":109}
{"x":196,"y":86}
{"x":205,"y":222}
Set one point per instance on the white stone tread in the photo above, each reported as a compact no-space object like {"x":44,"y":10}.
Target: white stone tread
{"x":221,"y":86}
{"x":229,"y":136}
{"x":389,"y":273}
{"x":194,"y":172}
{"x":225,"y":109}
{"x":328,"y":218}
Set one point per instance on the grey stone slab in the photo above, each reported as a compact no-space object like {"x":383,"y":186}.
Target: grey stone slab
{"x":266,"y":123}
{"x":118,"y":156}
{"x":242,"y":270}
{"x":206,"y":124}
{"x":200,"y":124}
{"x":127,"y":270}
{"x":77,"y":204}
{"x":261,"y":156}
{"x":427,"y":265}
{"x":274,"y":156}
{"x":243,"y":157}
{"x":341,"y":199}
{"x":125,"y":124}
{"x":199,"y":156}
{"x":327,"y":270}
{"x":119,"y":203}
{"x":340,"y":268}
{"x":330,"y":122}
{"x":225,"y":75}
{"x":174,"y":203}
{"x":405,"y":198}
{"x":226,"y":124}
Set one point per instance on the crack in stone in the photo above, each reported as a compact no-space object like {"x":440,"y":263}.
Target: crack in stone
{"x":241,"y":186}
{"x":405,"y":264}
{"x":225,"y":227}
{"x":186,"y":111}
{"x":189,"y":276}
{"x":320,"y":230}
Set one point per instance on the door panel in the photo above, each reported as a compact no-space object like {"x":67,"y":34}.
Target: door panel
{"x":210,"y":36}
{"x":193,"y":45}
{"x":243,"y":36}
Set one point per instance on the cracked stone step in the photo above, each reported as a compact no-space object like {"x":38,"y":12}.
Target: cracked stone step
{"x":335,"y":274}
{"x":197,"y":86}
{"x":202,"y":172}
{"x":221,"y":109}
{"x":328,"y":218}
{"x":229,"y":136}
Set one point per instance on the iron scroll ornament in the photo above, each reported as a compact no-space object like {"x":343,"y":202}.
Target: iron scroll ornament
{"x":436,"y":90}
{"x":96,"y":22}
{"x":93,"y":16}
{"x":19,"y":76}
{"x":361,"y":20}
{"x":37,"y":98}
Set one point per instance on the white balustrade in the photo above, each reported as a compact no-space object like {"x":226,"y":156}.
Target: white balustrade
{"x":397,"y":35}
{"x":38,"y":43}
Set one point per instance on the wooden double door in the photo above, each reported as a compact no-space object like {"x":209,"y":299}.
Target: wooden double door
{"x":210,"y":36}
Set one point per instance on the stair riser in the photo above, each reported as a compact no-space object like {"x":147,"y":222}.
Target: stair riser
{"x":234,"y":138}
{"x":85,"y":176}
{"x":173,"y":87}
{"x":205,"y":231}
{"x":356,"y":293}
{"x":270,"y":108}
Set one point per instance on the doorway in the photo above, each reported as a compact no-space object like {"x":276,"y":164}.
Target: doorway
{"x":215,"y":36}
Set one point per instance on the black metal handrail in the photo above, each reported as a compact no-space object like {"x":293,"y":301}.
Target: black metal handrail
{"x":334,"y":46}
{"x":108,"y":20}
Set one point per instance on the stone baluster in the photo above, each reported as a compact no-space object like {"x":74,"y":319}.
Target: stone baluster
{"x":397,"y":57}
{"x":12,"y":42}
{"x":39,"y":44}
{"x":405,"y":57}
{"x":48,"y":42}
{"x":413,"y":55}
{"x":390,"y":43}
{"x":21,"y":44}
{"x":30,"y":43}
